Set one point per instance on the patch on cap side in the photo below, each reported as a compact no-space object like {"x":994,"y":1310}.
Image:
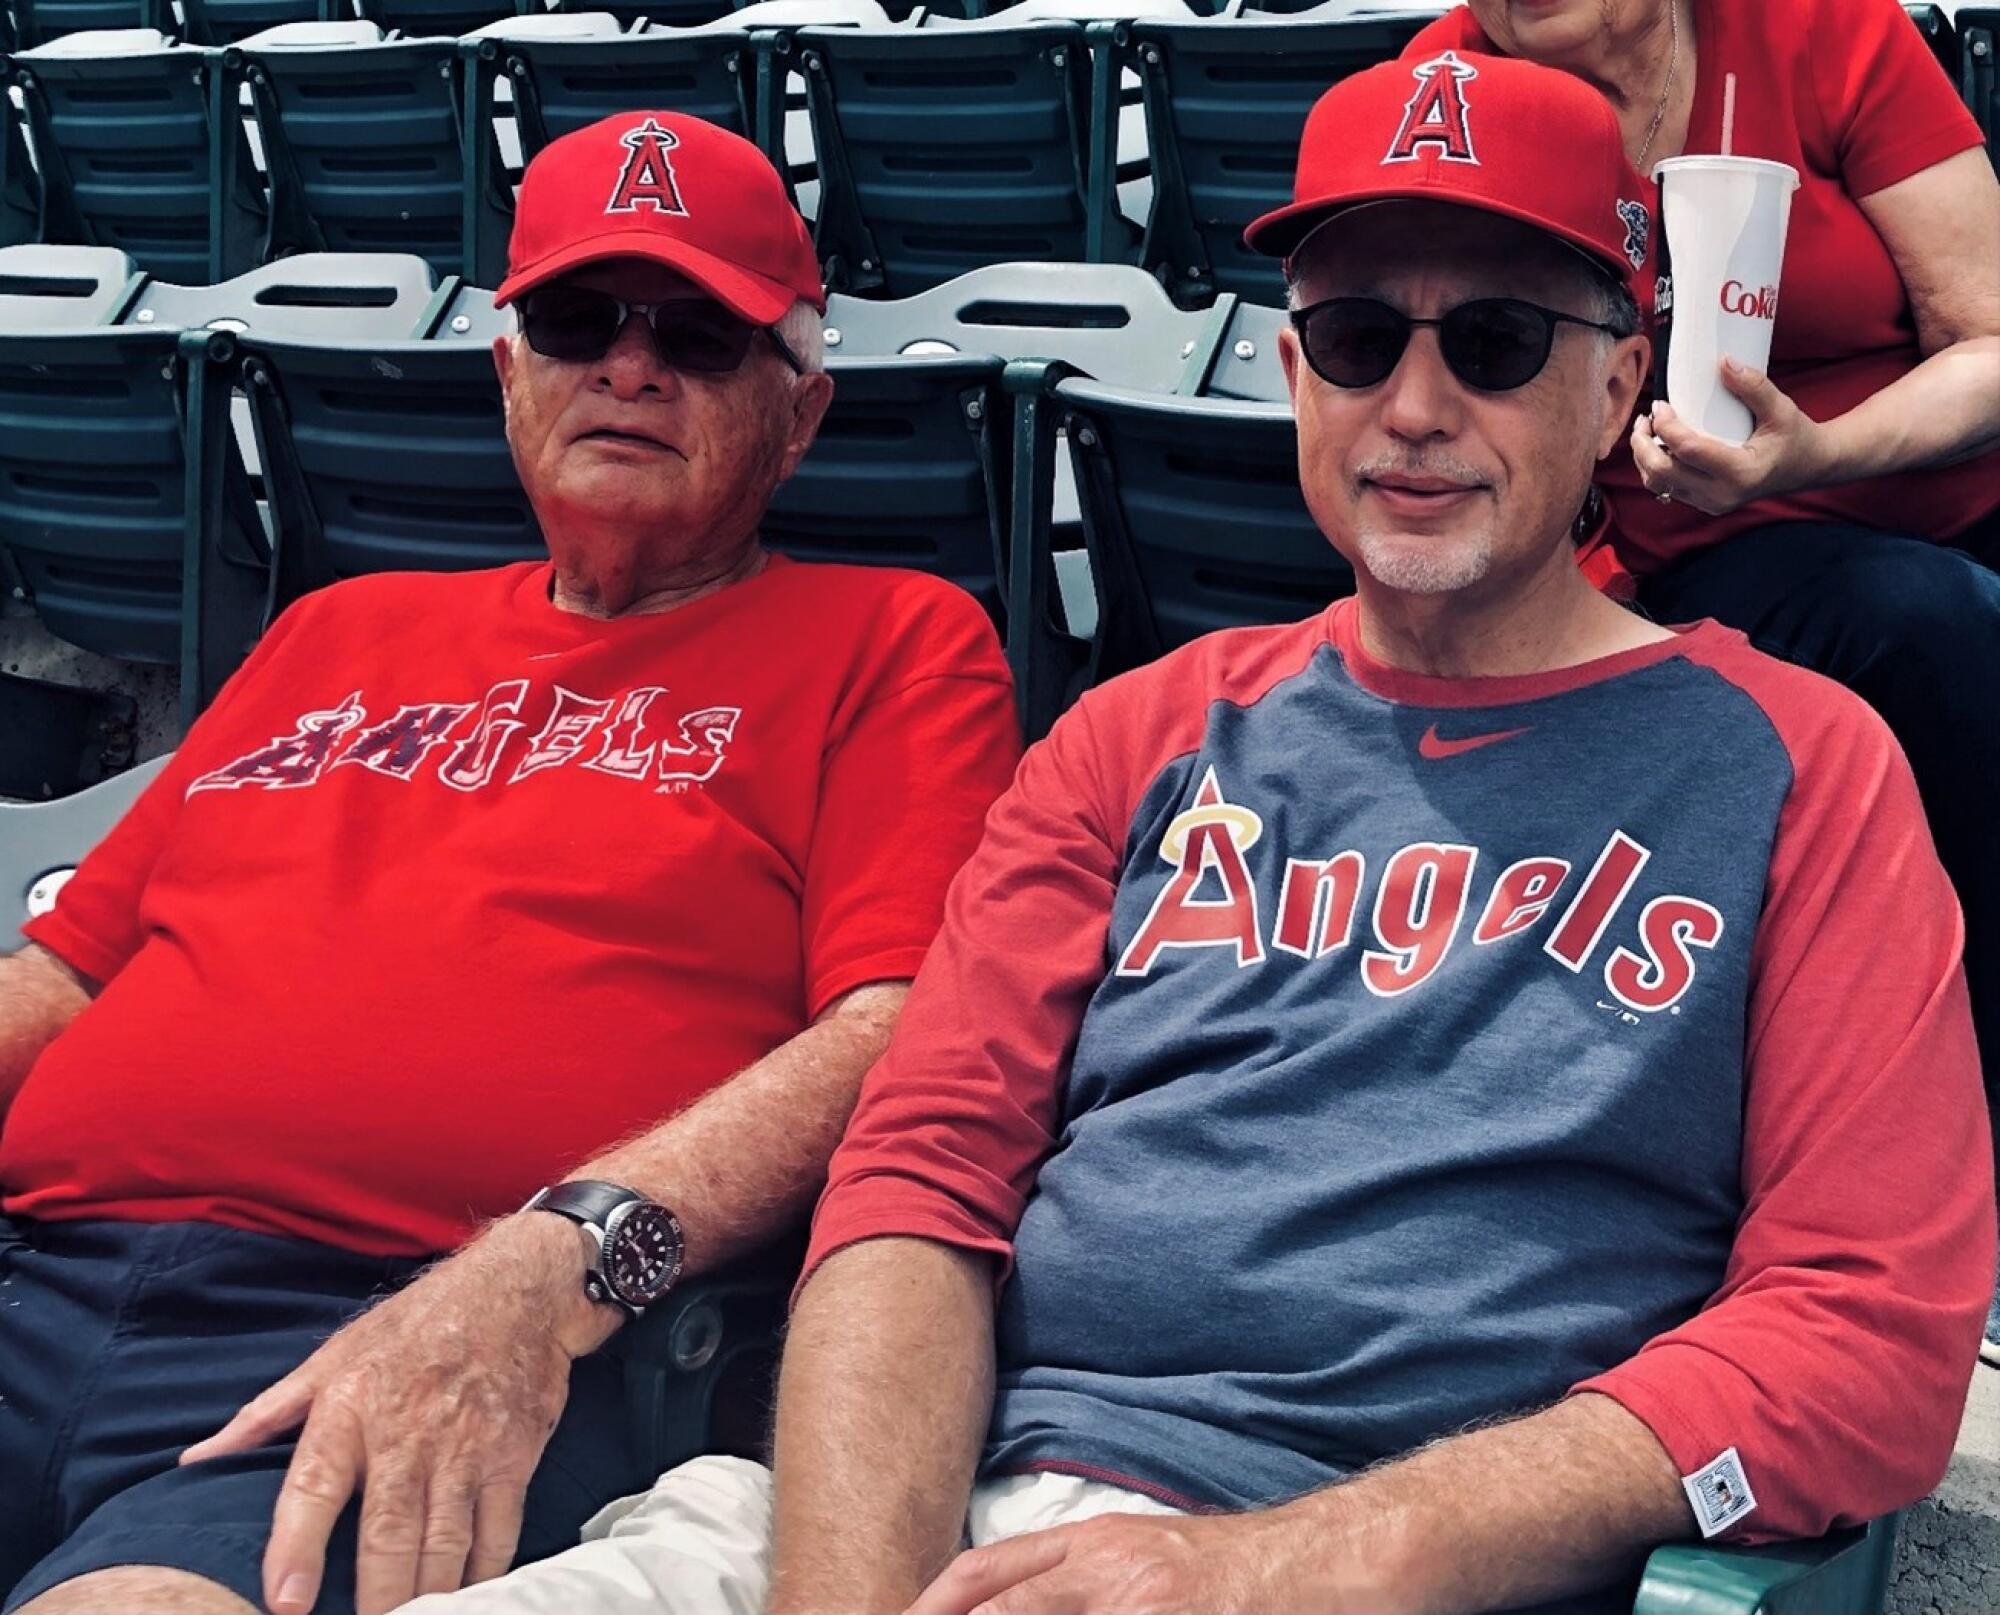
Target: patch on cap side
{"x":1720,"y":1493}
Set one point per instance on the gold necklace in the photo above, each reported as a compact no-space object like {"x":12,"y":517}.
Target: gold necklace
{"x":1666,"y":89}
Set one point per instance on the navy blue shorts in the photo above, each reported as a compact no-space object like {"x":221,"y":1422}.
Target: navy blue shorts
{"x":123,"y":1343}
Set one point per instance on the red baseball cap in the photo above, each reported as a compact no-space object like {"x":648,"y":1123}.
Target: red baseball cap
{"x":1515,"y":138}
{"x":676,"y":190}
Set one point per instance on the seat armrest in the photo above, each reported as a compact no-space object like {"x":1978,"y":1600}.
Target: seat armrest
{"x":1843,"y":1573}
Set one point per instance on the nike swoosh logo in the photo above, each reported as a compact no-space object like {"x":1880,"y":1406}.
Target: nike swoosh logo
{"x":1433,"y":747}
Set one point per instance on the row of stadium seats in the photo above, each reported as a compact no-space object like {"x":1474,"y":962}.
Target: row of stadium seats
{"x":369,"y":419}
{"x":931,"y":150}
{"x":939,"y":148}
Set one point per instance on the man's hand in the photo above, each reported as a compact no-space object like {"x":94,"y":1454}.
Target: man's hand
{"x":1787,"y":450}
{"x":1119,"y":1564}
{"x":436,"y":1404}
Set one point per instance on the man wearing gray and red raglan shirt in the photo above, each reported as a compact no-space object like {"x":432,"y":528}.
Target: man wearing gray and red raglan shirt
{"x":1447,"y":1095}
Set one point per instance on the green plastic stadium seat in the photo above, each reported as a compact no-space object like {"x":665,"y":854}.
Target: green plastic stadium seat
{"x":363,"y":139}
{"x":944,"y":149}
{"x":1845,"y":1573}
{"x":224,"y":22}
{"x":142,"y":149}
{"x":660,"y":13}
{"x":439,"y":19}
{"x":910,"y":469}
{"x":1934,"y":23}
{"x":37,"y":22}
{"x":63,"y":288}
{"x":1225,"y":102}
{"x":20,"y":190}
{"x":1978,"y":84}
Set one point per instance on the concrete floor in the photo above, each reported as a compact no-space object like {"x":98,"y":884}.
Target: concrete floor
{"x":1949,"y":1563}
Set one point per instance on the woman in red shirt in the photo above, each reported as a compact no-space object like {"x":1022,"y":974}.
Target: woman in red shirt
{"x":1843,"y":534}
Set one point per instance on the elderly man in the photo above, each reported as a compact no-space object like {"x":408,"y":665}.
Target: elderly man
{"x":1430,"y":1086}
{"x":601,"y":877}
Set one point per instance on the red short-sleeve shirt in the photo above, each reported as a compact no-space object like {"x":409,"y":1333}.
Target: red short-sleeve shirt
{"x":1848,"y":93}
{"x":451,"y":889}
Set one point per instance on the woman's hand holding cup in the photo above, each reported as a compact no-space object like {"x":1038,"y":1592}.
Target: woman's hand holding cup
{"x":1786,"y":449}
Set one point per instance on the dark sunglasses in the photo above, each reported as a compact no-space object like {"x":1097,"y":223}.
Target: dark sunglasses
{"x":578,"y":324}
{"x":1494,"y":344}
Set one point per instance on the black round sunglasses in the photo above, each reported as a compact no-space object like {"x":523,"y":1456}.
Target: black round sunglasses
{"x":579,"y":324}
{"x":1493,"y":344}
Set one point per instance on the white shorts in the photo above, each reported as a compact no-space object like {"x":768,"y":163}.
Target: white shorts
{"x":699,"y":1543}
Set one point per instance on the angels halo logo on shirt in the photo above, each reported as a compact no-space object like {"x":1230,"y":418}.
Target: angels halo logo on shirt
{"x":647,"y":179}
{"x":1435,"y":115}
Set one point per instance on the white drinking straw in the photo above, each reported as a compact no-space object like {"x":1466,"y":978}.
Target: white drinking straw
{"x":1728,"y":111}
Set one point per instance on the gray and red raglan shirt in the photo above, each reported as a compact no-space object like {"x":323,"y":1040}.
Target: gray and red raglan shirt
{"x":1336,"y":1055}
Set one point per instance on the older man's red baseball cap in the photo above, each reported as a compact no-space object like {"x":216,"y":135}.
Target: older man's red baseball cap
{"x":676,"y":190}
{"x":1508,"y":137}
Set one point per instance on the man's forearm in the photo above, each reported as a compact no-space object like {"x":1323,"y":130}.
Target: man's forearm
{"x":738,"y":1167}
{"x":882,"y":1404}
{"x":1517,"y":1513}
{"x":39,"y":996}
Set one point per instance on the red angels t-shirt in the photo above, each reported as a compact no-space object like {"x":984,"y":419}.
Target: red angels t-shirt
{"x":452,"y":889}
{"x":1848,"y":93}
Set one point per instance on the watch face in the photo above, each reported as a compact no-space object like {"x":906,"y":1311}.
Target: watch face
{"x":642,"y":1255}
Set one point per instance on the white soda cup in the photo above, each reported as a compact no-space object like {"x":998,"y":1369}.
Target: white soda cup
{"x":1725,"y":220}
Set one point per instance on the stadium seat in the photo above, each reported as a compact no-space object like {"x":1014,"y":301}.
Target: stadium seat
{"x":1978,"y":50}
{"x":663,"y":13}
{"x":944,"y":149}
{"x":41,"y":843}
{"x":563,"y":77}
{"x":1225,"y":102}
{"x":1245,"y":364}
{"x":439,"y":19}
{"x":363,"y":142}
{"x":1934,"y":23}
{"x":39,"y":22}
{"x":225,"y":22}
{"x":1193,"y":518}
{"x":382,"y":455}
{"x":63,"y":288}
{"x":142,"y":148}
{"x":20,"y":190}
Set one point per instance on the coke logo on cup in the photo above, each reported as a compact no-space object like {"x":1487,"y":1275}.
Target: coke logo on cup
{"x":1760,"y":304}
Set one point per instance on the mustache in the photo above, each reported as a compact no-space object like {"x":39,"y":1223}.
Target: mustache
{"x":1421,"y":463}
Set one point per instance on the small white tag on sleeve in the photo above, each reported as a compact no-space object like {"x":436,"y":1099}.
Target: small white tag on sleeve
{"x":1720,"y":1493}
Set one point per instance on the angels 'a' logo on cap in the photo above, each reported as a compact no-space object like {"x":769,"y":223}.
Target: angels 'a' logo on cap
{"x":647,"y":179}
{"x":1637,"y":221}
{"x":1435,"y":115}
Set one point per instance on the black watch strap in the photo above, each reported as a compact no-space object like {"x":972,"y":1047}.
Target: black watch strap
{"x":584,"y":1200}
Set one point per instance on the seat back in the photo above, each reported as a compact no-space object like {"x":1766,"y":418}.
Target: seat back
{"x":62,"y":288}
{"x":383,"y":456}
{"x":20,"y":191}
{"x":142,"y":150}
{"x":1978,"y":83}
{"x":37,"y":22}
{"x":438,"y":19}
{"x":909,"y":469}
{"x":665,"y":13}
{"x":41,"y":843}
{"x":1110,"y":321}
{"x":1226,"y":102}
{"x":1193,"y":517}
{"x":364,"y":146}
{"x":93,"y":485}
{"x":943,"y":150}
{"x":224,"y":22}
{"x":1935,"y":25}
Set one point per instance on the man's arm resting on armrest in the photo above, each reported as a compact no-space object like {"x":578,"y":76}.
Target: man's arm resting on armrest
{"x":1553,"y":1503}
{"x":882,"y":1404}
{"x":509,"y":1313}
{"x":39,"y":996}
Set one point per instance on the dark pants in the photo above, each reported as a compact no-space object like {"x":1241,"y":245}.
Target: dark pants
{"x":1913,"y":628}
{"x":122,"y":1343}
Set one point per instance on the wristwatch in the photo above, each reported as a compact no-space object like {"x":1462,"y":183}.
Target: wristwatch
{"x":639,"y":1244}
